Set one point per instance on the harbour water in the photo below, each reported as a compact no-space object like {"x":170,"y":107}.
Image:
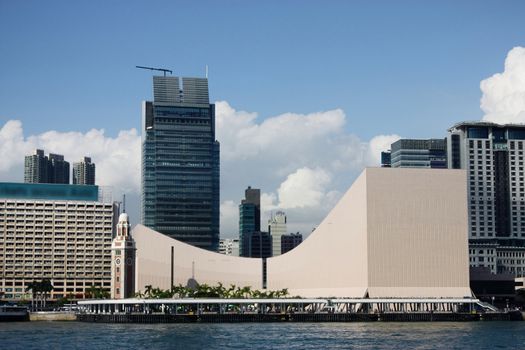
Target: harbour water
{"x":380,"y":335}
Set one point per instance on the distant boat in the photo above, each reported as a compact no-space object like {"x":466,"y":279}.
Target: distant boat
{"x":13,"y":313}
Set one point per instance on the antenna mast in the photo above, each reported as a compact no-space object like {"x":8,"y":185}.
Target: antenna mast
{"x":163,"y":70}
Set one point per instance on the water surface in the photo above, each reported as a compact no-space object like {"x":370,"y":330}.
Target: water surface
{"x":371,"y":335}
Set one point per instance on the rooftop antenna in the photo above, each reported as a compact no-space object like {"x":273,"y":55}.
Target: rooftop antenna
{"x":157,"y":69}
{"x":206,"y":71}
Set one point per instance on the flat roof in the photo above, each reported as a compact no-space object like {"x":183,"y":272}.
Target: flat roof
{"x":15,"y":190}
{"x":277,"y":301}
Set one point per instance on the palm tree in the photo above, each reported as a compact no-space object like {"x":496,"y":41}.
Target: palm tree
{"x":147,"y":291}
{"x":46,"y":287}
{"x":34,"y":288}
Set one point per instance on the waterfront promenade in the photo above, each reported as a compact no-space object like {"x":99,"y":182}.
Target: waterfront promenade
{"x":287,"y":310}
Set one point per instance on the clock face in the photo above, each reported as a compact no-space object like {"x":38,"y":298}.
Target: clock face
{"x":117,"y":261}
{"x":128,"y":261}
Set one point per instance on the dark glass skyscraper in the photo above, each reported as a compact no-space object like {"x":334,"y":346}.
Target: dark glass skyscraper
{"x":249,"y":219}
{"x":180,"y":162}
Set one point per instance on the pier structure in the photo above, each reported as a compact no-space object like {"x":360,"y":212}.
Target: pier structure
{"x":221,"y":306}
{"x":276,"y":310}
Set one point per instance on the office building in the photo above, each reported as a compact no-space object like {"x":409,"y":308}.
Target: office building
{"x":180,"y":162}
{"x":411,"y":153}
{"x":57,"y":232}
{"x":258,"y":245}
{"x":277,"y":228}
{"x":492,"y":155}
{"x":386,"y":159}
{"x":84,"y":172}
{"x":289,"y":242}
{"x":229,"y":246}
{"x":249,"y":218}
{"x":39,"y":168}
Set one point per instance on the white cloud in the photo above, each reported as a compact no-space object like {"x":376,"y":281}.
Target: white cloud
{"x":304,"y":188}
{"x":503,"y":99}
{"x":229,"y":218}
{"x":301,"y":162}
{"x":117,"y":159}
{"x":378,"y":144}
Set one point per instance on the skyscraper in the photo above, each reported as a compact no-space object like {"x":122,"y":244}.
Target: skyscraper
{"x":84,"y":172}
{"x":289,"y":242}
{"x":180,"y":162}
{"x":492,"y":155}
{"x":249,"y":218}
{"x":39,"y":168}
{"x":36,"y":167}
{"x":411,"y":153}
{"x":277,"y":228}
{"x":58,"y":169}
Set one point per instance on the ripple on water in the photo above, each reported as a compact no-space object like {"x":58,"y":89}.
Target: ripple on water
{"x":74,"y":335}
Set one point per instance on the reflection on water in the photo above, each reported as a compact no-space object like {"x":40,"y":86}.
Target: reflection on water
{"x":472,"y":335}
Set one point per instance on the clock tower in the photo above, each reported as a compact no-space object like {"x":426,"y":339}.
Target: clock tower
{"x":122,"y":261}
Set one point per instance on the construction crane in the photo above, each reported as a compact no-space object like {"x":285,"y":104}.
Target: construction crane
{"x":157,"y":69}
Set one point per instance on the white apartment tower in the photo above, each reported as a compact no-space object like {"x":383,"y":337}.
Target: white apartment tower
{"x":492,"y":155}
{"x":277,"y":228}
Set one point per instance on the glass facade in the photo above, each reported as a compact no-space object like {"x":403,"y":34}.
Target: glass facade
{"x":48,"y":191}
{"x":411,"y":153}
{"x":180,"y":168}
{"x":249,"y":219}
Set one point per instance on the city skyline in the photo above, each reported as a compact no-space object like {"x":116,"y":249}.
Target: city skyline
{"x":351,"y":95}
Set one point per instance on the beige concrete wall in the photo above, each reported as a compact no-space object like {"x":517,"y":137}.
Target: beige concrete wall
{"x":332,"y":260}
{"x":417,"y":232}
{"x":395,"y":233}
{"x":153,"y":263}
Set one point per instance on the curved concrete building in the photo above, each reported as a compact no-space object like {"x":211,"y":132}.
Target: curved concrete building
{"x":396,"y":233}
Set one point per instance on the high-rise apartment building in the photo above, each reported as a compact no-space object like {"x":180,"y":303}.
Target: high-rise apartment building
{"x":36,"y":167}
{"x":492,"y":155}
{"x":411,"y":153}
{"x":180,"y":162}
{"x":39,"y":168}
{"x":277,"y":228}
{"x":84,"y":172}
{"x":58,"y":232}
{"x":58,"y":169}
{"x":249,"y":218}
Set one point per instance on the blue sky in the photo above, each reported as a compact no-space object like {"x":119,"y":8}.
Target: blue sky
{"x":325,"y":85}
{"x":406,"y":67}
